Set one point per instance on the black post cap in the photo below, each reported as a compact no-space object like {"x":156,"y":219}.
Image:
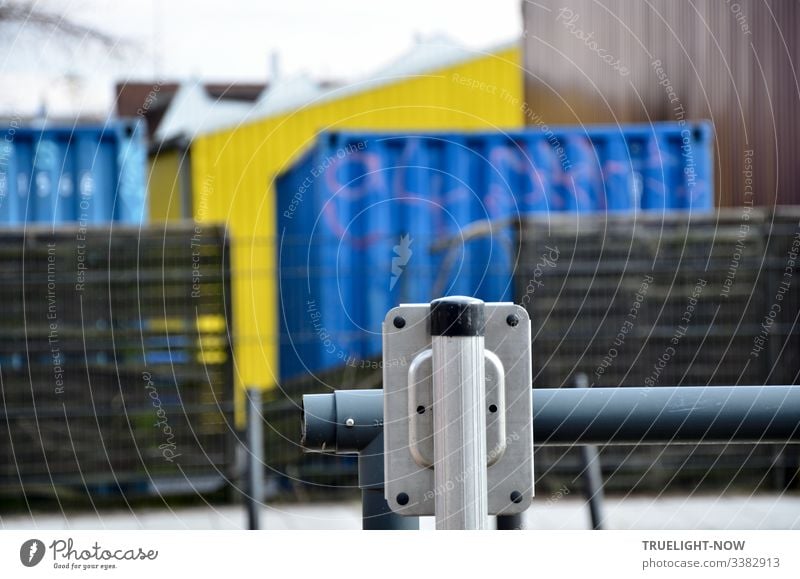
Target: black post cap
{"x":457,"y":316}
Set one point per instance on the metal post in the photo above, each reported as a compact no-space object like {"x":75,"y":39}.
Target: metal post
{"x":351,"y":422}
{"x":375,"y":512}
{"x":510,"y":522}
{"x":459,"y":416}
{"x":255,"y":458}
{"x":591,"y":473}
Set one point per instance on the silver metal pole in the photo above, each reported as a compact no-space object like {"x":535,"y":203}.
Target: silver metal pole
{"x":255,"y":458}
{"x":459,"y":416}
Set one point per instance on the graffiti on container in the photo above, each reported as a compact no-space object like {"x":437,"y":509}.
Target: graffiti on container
{"x":551,"y":137}
{"x":361,"y":175}
{"x":548,"y":174}
{"x":322,"y":168}
{"x":511,"y":98}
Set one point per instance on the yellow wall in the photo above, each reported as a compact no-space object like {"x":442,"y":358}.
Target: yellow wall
{"x":233,"y":175}
{"x":164,"y":185}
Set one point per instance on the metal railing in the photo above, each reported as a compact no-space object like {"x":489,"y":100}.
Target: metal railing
{"x":353,"y":422}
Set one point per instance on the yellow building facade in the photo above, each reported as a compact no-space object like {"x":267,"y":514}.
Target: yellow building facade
{"x":233,"y":173}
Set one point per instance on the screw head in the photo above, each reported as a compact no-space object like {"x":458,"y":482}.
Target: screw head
{"x":399,"y":322}
{"x":349,"y":423}
{"x":516,"y":497}
{"x":402,"y":499}
{"x":512,"y":320}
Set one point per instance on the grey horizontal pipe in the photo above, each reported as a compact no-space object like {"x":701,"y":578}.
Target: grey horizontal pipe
{"x":345,"y":421}
{"x":630,"y":415}
{"x":685,"y":414}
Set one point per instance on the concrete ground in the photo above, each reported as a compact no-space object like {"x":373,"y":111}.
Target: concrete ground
{"x":735,"y":512}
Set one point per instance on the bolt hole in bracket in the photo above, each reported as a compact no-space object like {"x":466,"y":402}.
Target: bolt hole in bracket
{"x":408,"y":419}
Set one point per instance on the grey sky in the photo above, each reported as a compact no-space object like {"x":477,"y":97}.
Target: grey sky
{"x":230,"y":40}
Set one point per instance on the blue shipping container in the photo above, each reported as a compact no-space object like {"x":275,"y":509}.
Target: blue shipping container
{"x":358,"y":215}
{"x":73,"y":173}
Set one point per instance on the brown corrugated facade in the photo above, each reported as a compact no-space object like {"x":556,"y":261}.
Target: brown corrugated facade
{"x":733,"y":62}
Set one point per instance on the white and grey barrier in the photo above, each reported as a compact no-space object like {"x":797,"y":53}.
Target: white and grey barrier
{"x":452,"y":432}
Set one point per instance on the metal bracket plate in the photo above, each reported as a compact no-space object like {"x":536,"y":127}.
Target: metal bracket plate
{"x":408,"y":418}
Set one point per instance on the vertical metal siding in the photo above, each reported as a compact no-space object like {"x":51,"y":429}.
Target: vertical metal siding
{"x":730,"y":62}
{"x":233,"y":174}
{"x":92,"y":174}
{"x":360,"y":213}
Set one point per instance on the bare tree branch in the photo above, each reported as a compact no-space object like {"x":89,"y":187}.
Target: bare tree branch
{"x":27,"y":14}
